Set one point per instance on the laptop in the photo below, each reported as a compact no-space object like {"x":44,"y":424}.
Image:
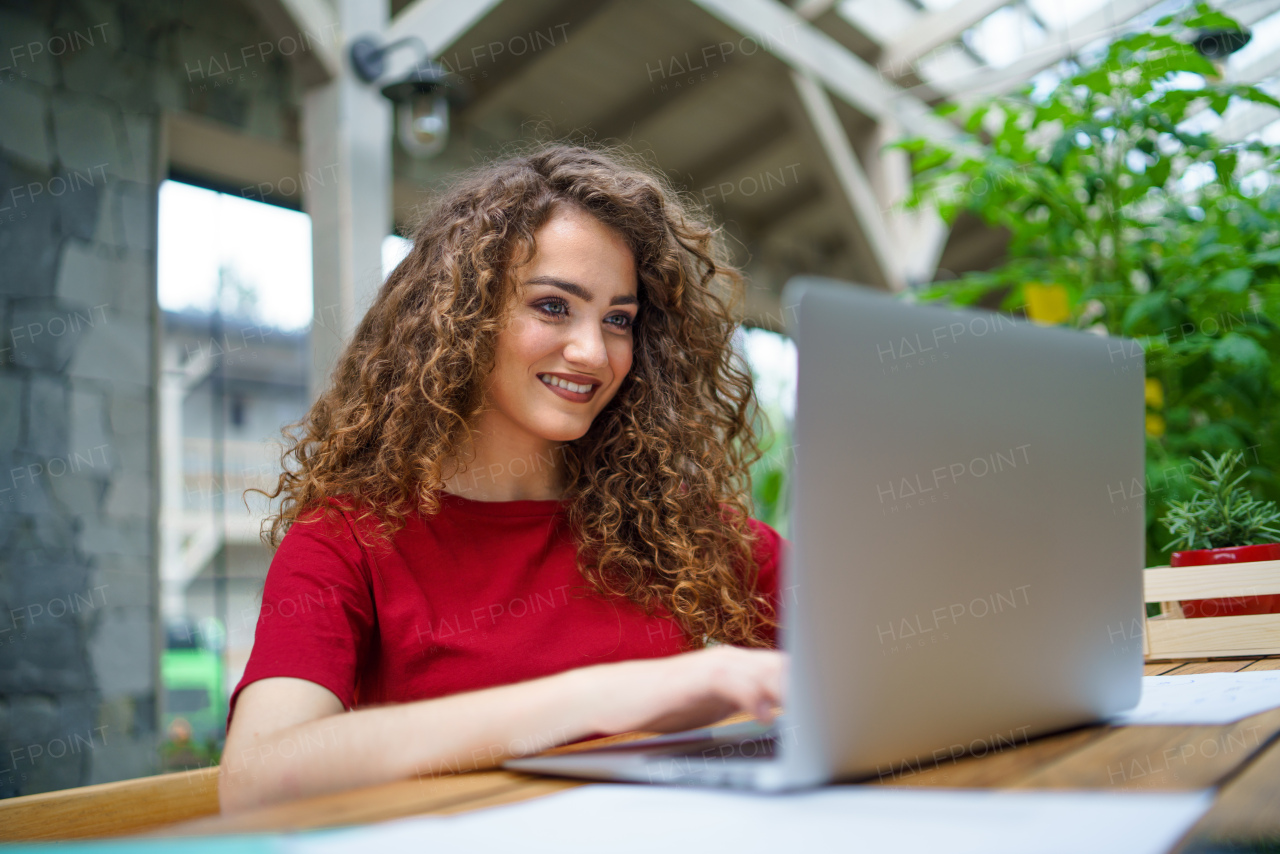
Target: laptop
{"x":966,"y":554}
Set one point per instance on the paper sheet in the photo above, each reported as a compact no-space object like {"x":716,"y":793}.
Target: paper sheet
{"x":648,"y":819}
{"x":1205,"y":698}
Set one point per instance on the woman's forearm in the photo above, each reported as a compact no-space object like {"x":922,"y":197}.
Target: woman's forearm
{"x":377,"y":745}
{"x":270,"y":758}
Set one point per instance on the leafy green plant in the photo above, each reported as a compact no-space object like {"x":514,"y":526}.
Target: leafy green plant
{"x":1221,"y":513}
{"x":769,"y":474}
{"x":1147,"y":226}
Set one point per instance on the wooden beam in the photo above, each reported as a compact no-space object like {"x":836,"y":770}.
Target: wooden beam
{"x":313,"y":24}
{"x":806,"y":193}
{"x":826,"y":17}
{"x":852,"y":180}
{"x":919,"y":235}
{"x":439,"y":23}
{"x":236,"y":162}
{"x":642,"y":105}
{"x":743,"y":147}
{"x":806,"y":49}
{"x":811,"y":9}
{"x":932,"y":31}
{"x":506,"y":66}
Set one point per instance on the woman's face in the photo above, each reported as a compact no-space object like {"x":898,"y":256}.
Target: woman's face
{"x":575,"y":304}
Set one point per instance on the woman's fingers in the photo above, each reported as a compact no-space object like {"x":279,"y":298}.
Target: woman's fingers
{"x":750,"y":679}
{"x":690,"y":690}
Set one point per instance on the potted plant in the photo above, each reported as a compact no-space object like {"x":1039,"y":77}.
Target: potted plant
{"x":1223,"y":523}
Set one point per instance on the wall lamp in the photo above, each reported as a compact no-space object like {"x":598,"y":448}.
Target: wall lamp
{"x":422,"y":105}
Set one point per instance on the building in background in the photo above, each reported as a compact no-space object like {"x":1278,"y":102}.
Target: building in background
{"x":226,"y":392}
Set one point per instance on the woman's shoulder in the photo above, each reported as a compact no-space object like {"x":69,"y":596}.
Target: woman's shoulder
{"x":332,"y":517}
{"x":339,"y":524}
{"x":768,"y":546}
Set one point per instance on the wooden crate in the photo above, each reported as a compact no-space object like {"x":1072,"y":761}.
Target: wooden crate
{"x":1170,"y":635}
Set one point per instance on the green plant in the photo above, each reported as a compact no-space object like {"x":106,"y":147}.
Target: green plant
{"x":1221,"y":513}
{"x":1147,"y":226}
{"x":770,"y":474}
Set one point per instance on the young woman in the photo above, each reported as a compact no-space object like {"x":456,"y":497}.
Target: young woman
{"x":519,"y":514}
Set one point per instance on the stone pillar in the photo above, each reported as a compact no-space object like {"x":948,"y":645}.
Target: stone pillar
{"x":78,"y":630}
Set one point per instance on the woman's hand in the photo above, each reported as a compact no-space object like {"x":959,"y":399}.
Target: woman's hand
{"x":290,"y":738}
{"x":683,"y":691}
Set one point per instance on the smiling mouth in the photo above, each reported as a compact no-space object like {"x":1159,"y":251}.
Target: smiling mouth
{"x":567,"y":390}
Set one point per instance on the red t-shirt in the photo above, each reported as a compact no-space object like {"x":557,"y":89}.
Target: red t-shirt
{"x":482,"y":593}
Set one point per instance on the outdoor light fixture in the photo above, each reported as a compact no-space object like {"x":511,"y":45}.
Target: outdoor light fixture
{"x":1219,"y":44}
{"x":422,"y":105}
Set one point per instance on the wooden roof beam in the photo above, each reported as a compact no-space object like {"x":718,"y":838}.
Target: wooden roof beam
{"x":730,"y":158}
{"x":808,"y":50}
{"x":872,"y":235}
{"x":643,"y":104}
{"x":508,"y":66}
{"x":315,"y":25}
{"x":933,"y":31}
{"x":439,"y":23}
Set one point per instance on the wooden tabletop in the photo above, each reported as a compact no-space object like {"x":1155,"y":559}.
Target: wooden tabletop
{"x":1243,"y":764}
{"x":1241,"y":761}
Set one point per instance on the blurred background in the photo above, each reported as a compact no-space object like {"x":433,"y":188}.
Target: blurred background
{"x":200,"y":197}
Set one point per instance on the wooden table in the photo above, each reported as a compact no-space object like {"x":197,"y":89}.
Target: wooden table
{"x":1243,"y":765}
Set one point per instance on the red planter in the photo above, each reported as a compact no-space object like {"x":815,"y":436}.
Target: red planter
{"x":1233,"y":606}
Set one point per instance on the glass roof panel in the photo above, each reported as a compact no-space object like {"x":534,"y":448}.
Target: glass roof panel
{"x":882,"y":20}
{"x":949,"y":62}
{"x":1004,"y":36}
{"x":1061,"y":14}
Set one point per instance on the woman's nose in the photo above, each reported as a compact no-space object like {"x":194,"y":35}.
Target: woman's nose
{"x":587,"y":346}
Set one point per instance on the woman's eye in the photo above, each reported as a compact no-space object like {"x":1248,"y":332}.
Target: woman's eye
{"x":546,"y":307}
{"x":558,"y":308}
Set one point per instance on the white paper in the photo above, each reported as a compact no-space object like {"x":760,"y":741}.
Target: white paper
{"x":654,"y":819}
{"x":1205,"y":698}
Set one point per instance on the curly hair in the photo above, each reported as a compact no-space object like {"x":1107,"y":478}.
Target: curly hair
{"x":658,"y":487}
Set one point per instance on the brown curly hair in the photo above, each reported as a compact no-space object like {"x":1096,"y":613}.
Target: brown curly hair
{"x":658,"y":487}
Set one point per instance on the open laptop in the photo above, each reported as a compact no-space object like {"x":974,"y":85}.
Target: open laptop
{"x":966,"y":555}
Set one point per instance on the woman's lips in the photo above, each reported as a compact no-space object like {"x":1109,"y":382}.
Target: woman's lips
{"x":572,"y":396}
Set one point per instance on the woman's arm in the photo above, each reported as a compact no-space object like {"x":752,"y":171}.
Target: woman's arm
{"x":289,"y":738}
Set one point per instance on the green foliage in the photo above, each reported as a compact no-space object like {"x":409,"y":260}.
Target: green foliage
{"x":1109,"y":187}
{"x":769,"y":475}
{"x":1221,"y":513}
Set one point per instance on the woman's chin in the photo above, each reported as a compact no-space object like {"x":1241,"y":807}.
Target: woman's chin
{"x":562,"y":428}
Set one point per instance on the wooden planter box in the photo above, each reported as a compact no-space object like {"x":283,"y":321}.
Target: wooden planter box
{"x":1170,"y":635}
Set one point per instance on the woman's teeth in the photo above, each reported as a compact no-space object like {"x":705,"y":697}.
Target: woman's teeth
{"x":565,"y":384}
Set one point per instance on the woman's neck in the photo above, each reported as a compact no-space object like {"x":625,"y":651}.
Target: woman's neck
{"x":494,"y":469}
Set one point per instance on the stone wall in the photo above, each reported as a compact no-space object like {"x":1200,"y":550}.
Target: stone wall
{"x":83,"y":89}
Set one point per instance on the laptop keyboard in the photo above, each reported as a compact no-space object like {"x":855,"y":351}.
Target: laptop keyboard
{"x":720,"y":748}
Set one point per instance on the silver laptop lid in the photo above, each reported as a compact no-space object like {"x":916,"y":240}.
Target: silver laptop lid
{"x":966,"y":564}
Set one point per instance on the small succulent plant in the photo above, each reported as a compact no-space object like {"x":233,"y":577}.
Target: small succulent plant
{"x":1221,"y":513}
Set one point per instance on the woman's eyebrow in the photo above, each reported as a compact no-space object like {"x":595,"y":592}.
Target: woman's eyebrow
{"x":579,"y":291}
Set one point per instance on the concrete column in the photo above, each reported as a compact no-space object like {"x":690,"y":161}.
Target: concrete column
{"x":346,"y":151}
